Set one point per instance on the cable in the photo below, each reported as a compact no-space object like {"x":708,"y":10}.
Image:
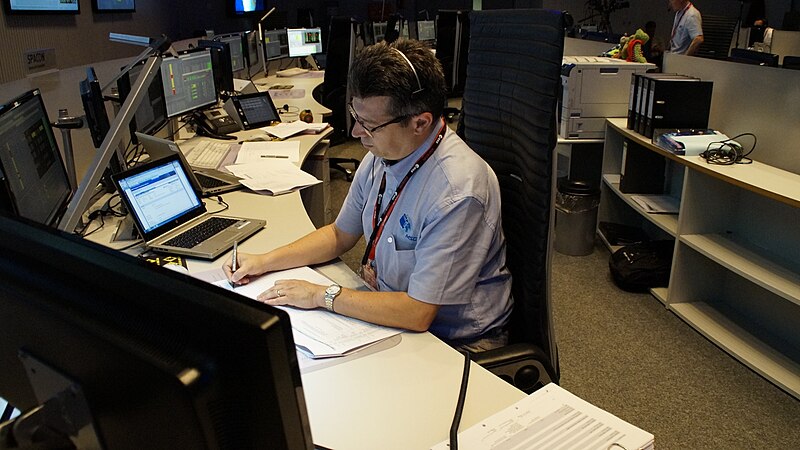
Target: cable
{"x":220,"y":201}
{"x":728,"y":151}
{"x":462,"y":396}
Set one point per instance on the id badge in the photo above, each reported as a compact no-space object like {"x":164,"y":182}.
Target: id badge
{"x":369,"y":275}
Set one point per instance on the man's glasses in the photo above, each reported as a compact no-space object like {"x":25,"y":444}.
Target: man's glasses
{"x":372,"y":130}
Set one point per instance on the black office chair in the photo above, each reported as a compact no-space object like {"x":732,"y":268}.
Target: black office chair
{"x":509,"y":119}
{"x":334,"y":95}
{"x":791,"y":62}
{"x":717,"y":36}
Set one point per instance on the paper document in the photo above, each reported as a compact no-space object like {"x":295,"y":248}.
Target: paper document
{"x":657,"y":204}
{"x":317,"y":333}
{"x":258,"y":151}
{"x":287,"y":129}
{"x":552,"y":418}
{"x":275,"y":175}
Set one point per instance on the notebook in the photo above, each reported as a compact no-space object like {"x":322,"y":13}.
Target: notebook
{"x":207,"y":181}
{"x":171,"y":217}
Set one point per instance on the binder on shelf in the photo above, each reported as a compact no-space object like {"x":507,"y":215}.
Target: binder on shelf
{"x":642,"y":170}
{"x":634,"y":96}
{"x":645,"y":97}
{"x":677,"y":103}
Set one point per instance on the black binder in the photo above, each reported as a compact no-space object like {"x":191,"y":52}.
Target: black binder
{"x":678,"y":103}
{"x":642,"y":170}
{"x":646,"y":95}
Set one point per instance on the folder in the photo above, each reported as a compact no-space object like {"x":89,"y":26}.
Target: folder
{"x":642,"y":170}
{"x":678,"y":103}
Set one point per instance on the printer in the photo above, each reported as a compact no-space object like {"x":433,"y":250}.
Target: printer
{"x":593,"y":88}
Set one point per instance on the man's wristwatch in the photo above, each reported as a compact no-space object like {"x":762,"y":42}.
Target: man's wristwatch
{"x":331,"y":292}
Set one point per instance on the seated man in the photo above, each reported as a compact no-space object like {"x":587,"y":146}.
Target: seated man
{"x":427,"y":204}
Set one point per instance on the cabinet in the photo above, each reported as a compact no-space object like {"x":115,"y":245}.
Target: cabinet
{"x":736,"y":266}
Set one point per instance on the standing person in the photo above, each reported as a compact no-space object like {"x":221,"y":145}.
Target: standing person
{"x":687,"y":28}
{"x":428,"y":205}
{"x":652,"y":49}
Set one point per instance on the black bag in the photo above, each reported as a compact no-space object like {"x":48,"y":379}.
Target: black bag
{"x":640,"y":267}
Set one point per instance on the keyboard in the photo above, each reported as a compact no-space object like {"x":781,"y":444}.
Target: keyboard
{"x":208,"y":154}
{"x":207,"y":181}
{"x":200,"y":232}
{"x":291,"y":72}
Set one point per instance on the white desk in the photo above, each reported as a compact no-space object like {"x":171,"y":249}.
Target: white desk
{"x":306,"y":82}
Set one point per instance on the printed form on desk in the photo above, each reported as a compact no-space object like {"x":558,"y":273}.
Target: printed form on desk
{"x":317,"y":333}
{"x":277,"y":176}
{"x":551,"y":418}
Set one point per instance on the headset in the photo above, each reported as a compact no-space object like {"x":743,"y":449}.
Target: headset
{"x":419,"y":85}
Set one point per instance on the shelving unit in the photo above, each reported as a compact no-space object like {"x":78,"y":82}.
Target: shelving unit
{"x":735,"y":271}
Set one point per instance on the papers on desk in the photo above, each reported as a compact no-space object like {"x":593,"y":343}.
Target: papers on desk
{"x":271,"y":167}
{"x":317,"y":333}
{"x":288,"y":129}
{"x":552,"y":417}
{"x":657,"y":204}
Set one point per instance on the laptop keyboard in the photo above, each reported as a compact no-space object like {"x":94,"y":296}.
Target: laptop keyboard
{"x":200,"y":232}
{"x":207,"y":181}
{"x":207,"y":154}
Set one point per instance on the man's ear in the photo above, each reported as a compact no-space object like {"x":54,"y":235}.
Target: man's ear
{"x":422,"y":122}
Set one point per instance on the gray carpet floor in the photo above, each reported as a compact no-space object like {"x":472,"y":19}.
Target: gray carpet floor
{"x":628,"y":354}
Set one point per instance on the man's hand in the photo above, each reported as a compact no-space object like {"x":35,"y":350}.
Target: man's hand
{"x":299,"y":293}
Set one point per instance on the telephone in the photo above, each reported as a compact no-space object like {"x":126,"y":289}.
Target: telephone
{"x":218,"y":122}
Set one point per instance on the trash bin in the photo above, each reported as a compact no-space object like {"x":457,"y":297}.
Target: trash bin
{"x":576,"y":217}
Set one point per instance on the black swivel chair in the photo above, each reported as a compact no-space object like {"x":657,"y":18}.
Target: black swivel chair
{"x":717,"y":36}
{"x":509,"y":119}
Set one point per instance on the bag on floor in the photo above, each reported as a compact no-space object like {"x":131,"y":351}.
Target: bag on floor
{"x":642,"y":266}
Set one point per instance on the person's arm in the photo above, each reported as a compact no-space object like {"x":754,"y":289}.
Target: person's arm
{"x":694,"y":45}
{"x":319,"y":246}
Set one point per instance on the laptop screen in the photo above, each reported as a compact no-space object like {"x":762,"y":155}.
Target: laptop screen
{"x":160,"y":194}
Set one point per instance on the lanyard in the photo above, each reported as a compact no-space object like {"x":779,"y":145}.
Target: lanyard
{"x":679,"y":18}
{"x":378,"y":223}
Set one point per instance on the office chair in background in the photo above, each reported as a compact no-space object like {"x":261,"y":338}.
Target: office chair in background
{"x":717,"y":36}
{"x":791,"y":62}
{"x":342,"y":36}
{"x":509,"y":119}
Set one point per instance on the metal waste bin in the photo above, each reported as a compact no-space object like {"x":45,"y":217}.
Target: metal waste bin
{"x":576,"y":217}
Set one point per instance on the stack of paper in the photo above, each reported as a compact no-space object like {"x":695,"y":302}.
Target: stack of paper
{"x":287,"y":129}
{"x":552,"y":417}
{"x":657,"y":204}
{"x":271,"y":167}
{"x":317,"y":333}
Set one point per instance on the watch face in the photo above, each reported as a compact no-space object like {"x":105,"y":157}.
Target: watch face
{"x":333,"y":290}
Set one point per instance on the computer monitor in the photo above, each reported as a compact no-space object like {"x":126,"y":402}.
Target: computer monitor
{"x":151,"y":114}
{"x":220,"y":63}
{"x":42,"y":6}
{"x":236,"y":44}
{"x":117,"y":6}
{"x":250,"y":48}
{"x":452,"y":47}
{"x":33,"y":180}
{"x":94,"y":107}
{"x":243,"y":8}
{"x":276,"y":44}
{"x":188,"y":82}
{"x":138,"y":356}
{"x":426,"y":30}
{"x":304,"y":41}
{"x":378,"y":31}
{"x":753,"y":57}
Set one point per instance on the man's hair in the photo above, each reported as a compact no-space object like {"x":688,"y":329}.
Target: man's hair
{"x":381,"y":70}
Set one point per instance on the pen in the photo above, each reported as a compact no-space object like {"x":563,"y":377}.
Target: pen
{"x":275,"y":156}
{"x":234,"y":261}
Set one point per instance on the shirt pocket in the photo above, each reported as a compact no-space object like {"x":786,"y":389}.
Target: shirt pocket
{"x":397,"y":266}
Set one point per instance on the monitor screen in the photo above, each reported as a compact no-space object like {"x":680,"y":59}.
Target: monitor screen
{"x":304,"y":41}
{"x":247,"y":7}
{"x":426,"y":30}
{"x":378,"y":31}
{"x":114,"y":5}
{"x":220,"y":64}
{"x":33,"y":179}
{"x":151,"y":114}
{"x":276,"y":44}
{"x":42,"y":6}
{"x":94,"y":107}
{"x":251,"y":48}
{"x":188,"y":82}
{"x":236,"y":46}
{"x":138,"y":356}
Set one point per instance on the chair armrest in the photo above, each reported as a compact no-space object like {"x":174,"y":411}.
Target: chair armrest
{"x":522,"y":364}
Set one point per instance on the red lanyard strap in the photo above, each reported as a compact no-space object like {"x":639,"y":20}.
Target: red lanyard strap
{"x":378,"y":222}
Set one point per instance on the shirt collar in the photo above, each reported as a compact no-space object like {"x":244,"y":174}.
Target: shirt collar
{"x":401,"y":167}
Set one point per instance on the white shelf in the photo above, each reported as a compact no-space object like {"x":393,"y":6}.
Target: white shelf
{"x":745,"y":347}
{"x":667,"y":222}
{"x":748,"y":264}
{"x":660,"y":294}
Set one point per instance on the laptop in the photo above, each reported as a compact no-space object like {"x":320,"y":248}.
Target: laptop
{"x":208,"y":182}
{"x":171,"y":217}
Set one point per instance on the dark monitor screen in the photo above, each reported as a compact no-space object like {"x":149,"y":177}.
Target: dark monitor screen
{"x":304,"y":41}
{"x":42,"y":6}
{"x":33,"y":180}
{"x":188,"y":82}
{"x":236,"y":46}
{"x":114,"y":5}
{"x":250,"y":48}
{"x":753,"y":57}
{"x":426,"y":30}
{"x":151,"y":113}
{"x":220,"y":64}
{"x":140,"y":356}
{"x":94,"y":107}
{"x":756,"y":35}
{"x":276,"y":44}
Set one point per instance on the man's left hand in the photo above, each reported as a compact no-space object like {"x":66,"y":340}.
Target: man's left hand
{"x":299,"y":293}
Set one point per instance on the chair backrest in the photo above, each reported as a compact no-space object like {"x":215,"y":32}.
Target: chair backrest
{"x":717,"y":36}
{"x":791,"y":62}
{"x":509,"y":119}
